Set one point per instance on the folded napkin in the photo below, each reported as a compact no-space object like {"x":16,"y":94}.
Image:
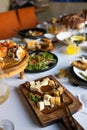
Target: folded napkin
{"x":83,"y":100}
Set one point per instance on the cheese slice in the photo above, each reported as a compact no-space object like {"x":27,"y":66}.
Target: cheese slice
{"x":40,"y":105}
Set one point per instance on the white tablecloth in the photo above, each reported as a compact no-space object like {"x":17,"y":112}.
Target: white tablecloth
{"x":16,"y":108}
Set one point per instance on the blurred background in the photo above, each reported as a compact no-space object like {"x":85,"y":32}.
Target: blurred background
{"x":69,"y":0}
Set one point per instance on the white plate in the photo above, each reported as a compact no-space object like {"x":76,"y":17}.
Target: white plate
{"x":63,"y":35}
{"x":77,"y":72}
{"x":50,"y":36}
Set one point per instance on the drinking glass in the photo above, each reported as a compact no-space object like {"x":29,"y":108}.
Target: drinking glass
{"x":6,"y":125}
{"x":4,"y":93}
{"x":73,"y":48}
{"x":4,"y":89}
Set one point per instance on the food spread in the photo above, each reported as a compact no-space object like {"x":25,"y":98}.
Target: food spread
{"x":45,"y":93}
{"x":43,"y":44}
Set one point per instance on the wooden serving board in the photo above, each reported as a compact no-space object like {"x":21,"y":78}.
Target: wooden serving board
{"x":15,"y":69}
{"x":53,"y":116}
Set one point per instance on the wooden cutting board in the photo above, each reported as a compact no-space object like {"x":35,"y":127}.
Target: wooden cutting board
{"x":15,"y":69}
{"x":53,"y":116}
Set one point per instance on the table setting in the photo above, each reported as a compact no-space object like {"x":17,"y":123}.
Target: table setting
{"x":54,"y":82}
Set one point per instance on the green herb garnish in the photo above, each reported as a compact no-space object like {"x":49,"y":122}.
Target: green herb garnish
{"x":84,"y":76}
{"x":33,"y":97}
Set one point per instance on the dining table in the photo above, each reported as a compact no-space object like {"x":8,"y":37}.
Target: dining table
{"x":16,"y":109}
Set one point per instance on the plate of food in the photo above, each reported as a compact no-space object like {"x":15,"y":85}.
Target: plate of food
{"x":82,"y":74}
{"x":80,"y":68}
{"x":73,"y":21}
{"x":40,"y":61}
{"x":44,"y":97}
{"x":44,"y":44}
{"x":12,"y":56}
{"x":32,"y":33}
{"x":72,"y":36}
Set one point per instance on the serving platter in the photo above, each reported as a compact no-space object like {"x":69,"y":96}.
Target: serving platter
{"x":53,"y":116}
{"x":40,"y":61}
{"x":15,"y":68}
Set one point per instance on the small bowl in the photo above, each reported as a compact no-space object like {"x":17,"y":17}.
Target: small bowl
{"x":50,"y":36}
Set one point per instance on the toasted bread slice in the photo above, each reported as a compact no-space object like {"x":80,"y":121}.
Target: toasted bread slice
{"x":79,"y":64}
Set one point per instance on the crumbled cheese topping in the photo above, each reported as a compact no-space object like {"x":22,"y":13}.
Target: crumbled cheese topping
{"x":36,"y":85}
{"x":18,"y":53}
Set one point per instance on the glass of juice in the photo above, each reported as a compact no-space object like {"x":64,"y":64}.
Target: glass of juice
{"x":72,"y":49}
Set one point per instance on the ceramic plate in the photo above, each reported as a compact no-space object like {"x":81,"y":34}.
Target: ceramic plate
{"x":32,"y":33}
{"x":38,"y":63}
{"x":51,"y":37}
{"x":78,"y":73}
{"x":63,"y":36}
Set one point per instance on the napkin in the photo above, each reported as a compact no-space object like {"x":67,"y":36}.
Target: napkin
{"x":83,"y":100}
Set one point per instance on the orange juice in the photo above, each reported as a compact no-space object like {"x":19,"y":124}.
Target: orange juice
{"x":72,"y":49}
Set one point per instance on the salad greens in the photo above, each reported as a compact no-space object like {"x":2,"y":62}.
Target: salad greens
{"x":40,"y":61}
